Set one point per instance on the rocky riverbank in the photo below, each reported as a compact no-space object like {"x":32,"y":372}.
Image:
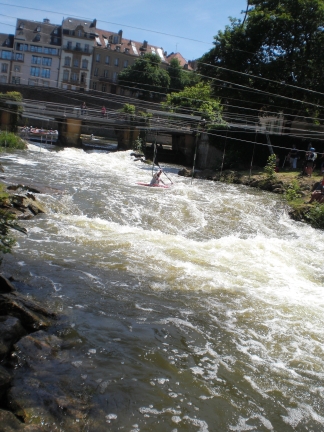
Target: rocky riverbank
{"x":40,"y":385}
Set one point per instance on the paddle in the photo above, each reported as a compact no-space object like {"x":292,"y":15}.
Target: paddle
{"x":157,"y":163}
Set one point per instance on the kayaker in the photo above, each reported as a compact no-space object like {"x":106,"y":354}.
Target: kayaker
{"x":156,"y":179}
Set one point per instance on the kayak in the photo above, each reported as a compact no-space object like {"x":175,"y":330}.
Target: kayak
{"x":163,"y":186}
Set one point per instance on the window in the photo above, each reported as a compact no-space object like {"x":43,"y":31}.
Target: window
{"x":36,"y":60}
{"x":66,"y":75}
{"x":107,"y":60}
{"x":47,"y":61}
{"x":98,"y":58}
{"x":37,"y":38}
{"x":69,"y":45}
{"x":118,"y":48}
{"x":19,"y":57}
{"x":86,"y":48}
{"x":55,"y":40}
{"x":21,"y":47}
{"x":34,"y":71}
{"x":82,"y":78}
{"x":94,"y":86}
{"x":127,"y":50}
{"x":79,"y":33}
{"x":103,"y":87}
{"x":125,"y":63}
{"x":38,"y":29}
{"x":32,"y":82}
{"x":4,"y":68}
{"x":85,"y":64}
{"x":76,"y":63}
{"x":6,"y":55}
{"x":55,"y":31}
{"x":15,"y":80}
{"x":114,"y":77}
{"x":46,"y":73}
{"x":35,"y":48}
{"x":106,"y":73}
{"x":115,"y":39}
{"x":45,"y":83}
{"x":96,"y":71}
{"x":16,"y":68}
{"x":67,"y":61}
{"x":78,"y":46}
{"x":53,"y":51}
{"x":74,"y":77}
{"x":116,"y":61}
{"x":3,"y":79}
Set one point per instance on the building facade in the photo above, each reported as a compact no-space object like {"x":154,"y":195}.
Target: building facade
{"x":6,"y":56}
{"x":36,"y":53}
{"x":74,"y":55}
{"x":78,"y":40}
{"x":112,"y":54}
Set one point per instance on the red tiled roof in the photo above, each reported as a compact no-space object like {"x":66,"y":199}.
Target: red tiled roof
{"x":181,"y":59}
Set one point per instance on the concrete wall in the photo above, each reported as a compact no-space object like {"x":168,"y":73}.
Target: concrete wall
{"x":208,"y":157}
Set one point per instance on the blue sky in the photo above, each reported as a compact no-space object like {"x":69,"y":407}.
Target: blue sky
{"x":185,"y":26}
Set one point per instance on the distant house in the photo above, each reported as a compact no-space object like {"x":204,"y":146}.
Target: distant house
{"x":78,"y":41}
{"x":183,"y":62}
{"x":36,"y":53}
{"x":112,"y":54}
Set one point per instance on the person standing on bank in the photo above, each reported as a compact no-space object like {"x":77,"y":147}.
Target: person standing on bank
{"x":310,"y":161}
{"x":103,"y":111}
{"x":83,"y":109}
{"x":293,"y":157}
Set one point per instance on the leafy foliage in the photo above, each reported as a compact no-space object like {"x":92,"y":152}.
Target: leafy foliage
{"x":10,"y":140}
{"x":196,"y":100}
{"x":146,"y":76}
{"x":315,"y":216}
{"x":269,"y":169}
{"x":293,"y":191}
{"x":180,"y":78}
{"x":278,"y":40}
{"x":128,"y":109}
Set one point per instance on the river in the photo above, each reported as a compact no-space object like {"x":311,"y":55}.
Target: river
{"x":199,"y":307}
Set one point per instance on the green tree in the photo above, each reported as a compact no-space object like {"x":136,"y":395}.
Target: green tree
{"x":147,"y":76}
{"x":196,"y":100}
{"x":180,"y":78}
{"x":279,"y":40}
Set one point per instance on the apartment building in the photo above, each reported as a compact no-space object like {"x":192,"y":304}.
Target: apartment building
{"x":36,"y":53}
{"x":112,"y":53}
{"x":6,"y":57}
{"x":78,"y":40}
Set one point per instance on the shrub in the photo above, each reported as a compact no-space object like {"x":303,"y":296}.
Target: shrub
{"x":315,"y":216}
{"x":270,"y":168}
{"x":293,"y":191}
{"x":10,"y":140}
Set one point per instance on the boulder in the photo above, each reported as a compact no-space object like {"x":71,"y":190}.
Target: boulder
{"x":11,"y":331}
{"x":5,"y":379}
{"x":31,"y":314}
{"x":45,"y":388}
{"x":185,"y":172}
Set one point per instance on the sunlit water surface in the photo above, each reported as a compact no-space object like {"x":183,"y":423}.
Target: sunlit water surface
{"x":199,"y":307}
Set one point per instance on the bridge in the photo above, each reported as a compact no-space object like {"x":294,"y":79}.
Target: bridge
{"x":70,"y":119}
